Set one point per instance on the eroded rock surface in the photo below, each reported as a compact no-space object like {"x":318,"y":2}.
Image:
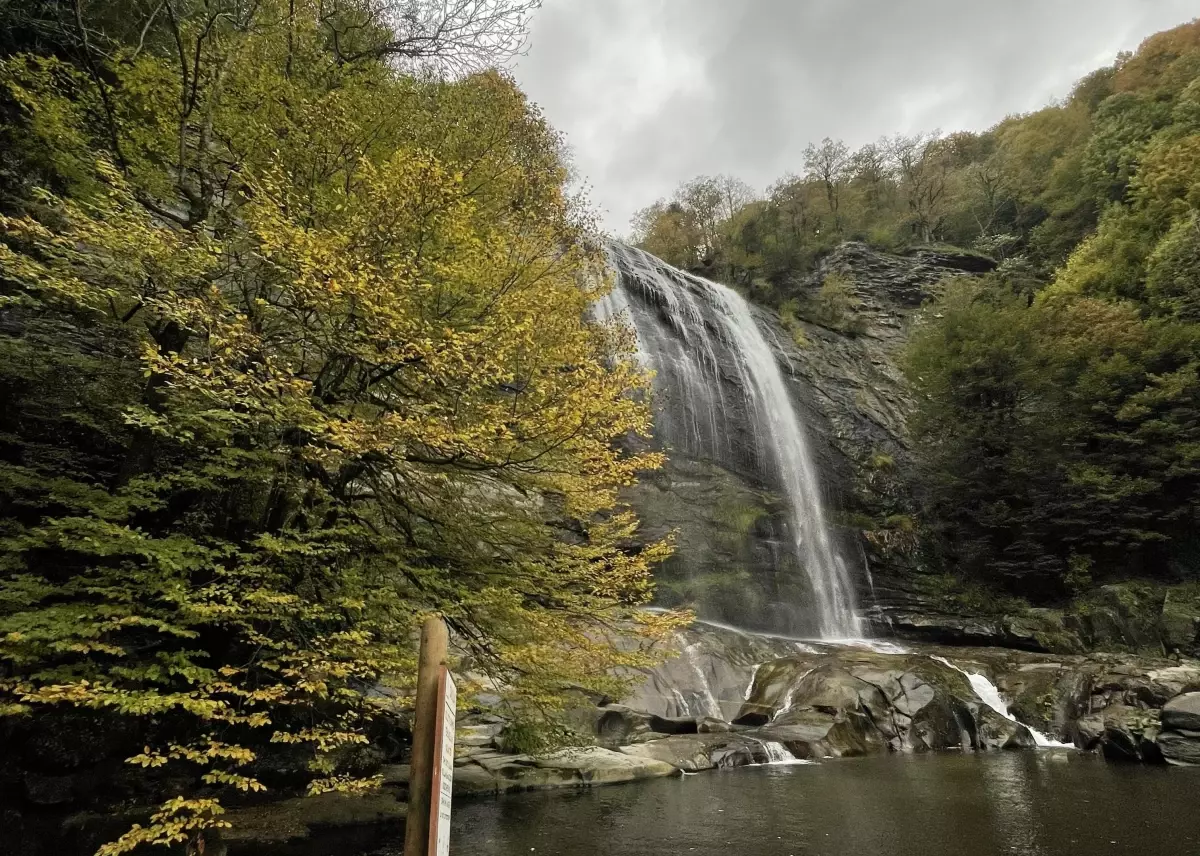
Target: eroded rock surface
{"x":1179,"y":740}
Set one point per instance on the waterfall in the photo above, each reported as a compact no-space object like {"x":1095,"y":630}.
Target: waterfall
{"x":701,"y":337}
{"x":989,"y":694}
{"x":709,"y":706}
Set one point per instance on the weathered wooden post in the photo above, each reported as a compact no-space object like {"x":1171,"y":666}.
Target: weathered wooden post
{"x":427,"y":827}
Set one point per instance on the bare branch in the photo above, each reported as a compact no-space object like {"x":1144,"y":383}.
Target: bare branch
{"x":452,"y":37}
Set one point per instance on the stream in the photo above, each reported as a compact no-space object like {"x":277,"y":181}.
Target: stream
{"x":986,"y":804}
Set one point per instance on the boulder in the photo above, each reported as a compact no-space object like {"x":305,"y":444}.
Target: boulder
{"x":568,"y":768}
{"x":908,"y":703}
{"x":812,"y":734}
{"x":1121,"y":733}
{"x":1182,"y":713}
{"x":596,"y":766}
{"x":472,"y":736}
{"x":692,"y":753}
{"x":1180,"y":748}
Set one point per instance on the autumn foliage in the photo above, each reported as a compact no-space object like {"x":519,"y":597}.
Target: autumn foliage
{"x":295,"y":350}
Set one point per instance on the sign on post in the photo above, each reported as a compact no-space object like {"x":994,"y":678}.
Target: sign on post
{"x":443,"y":766}
{"x":427,"y":830}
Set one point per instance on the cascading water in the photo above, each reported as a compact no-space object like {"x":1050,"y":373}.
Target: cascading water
{"x":989,"y":694}
{"x":694,"y":333}
{"x":778,"y":755}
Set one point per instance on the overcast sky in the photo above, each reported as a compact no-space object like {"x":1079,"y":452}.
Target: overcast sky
{"x":653,"y":92}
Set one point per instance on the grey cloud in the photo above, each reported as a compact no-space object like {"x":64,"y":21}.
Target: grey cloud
{"x":653,"y":92}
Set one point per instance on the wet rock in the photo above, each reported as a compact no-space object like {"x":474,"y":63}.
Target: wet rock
{"x":1182,"y":713}
{"x":1179,"y":740}
{"x":908,"y":703}
{"x":812,"y":734}
{"x":568,"y":768}
{"x":478,"y":735}
{"x":706,"y":673}
{"x":692,"y":753}
{"x":617,"y":724}
{"x":1121,"y":733}
{"x":1180,"y":748}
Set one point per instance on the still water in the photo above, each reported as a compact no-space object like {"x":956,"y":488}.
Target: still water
{"x":996,"y":804}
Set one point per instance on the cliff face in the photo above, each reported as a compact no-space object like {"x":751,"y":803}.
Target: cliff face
{"x":849,"y":379}
{"x":723,"y":495}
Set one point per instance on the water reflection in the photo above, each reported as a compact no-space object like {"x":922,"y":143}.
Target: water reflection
{"x":1010,"y":804}
{"x":1009,"y":789}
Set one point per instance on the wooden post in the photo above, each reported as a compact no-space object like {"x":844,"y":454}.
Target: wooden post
{"x":435,"y":639}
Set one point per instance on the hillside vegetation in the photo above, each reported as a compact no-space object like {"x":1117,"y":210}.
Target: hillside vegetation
{"x":1058,"y":400}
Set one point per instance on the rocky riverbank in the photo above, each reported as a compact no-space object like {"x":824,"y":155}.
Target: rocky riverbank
{"x":727,"y":698}
{"x":731,"y":699}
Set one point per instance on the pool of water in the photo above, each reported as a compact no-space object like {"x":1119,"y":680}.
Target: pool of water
{"x":995,"y":804}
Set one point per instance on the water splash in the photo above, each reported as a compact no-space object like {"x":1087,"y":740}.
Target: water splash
{"x":778,"y":755}
{"x":682,"y":322}
{"x":989,"y":694}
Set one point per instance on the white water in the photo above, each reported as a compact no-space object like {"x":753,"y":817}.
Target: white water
{"x":709,"y":705}
{"x":750,"y":685}
{"x":701,"y":316}
{"x":989,"y":694}
{"x":778,"y":755}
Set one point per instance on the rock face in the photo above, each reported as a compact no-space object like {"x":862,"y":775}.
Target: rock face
{"x":720,"y":490}
{"x":905,"y":703}
{"x":820,"y":700}
{"x":730,"y":698}
{"x":1179,"y":740}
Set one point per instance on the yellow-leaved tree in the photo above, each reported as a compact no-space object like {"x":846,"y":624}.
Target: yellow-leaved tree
{"x":295,"y":351}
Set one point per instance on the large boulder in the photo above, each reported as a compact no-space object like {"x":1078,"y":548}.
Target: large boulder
{"x":1121,"y":733}
{"x":908,"y":703}
{"x":1182,"y":713}
{"x":1179,"y":740}
{"x":568,"y":768}
{"x":706,"y":673}
{"x":693,"y":753}
{"x":824,"y":737}
{"x":1180,"y":748}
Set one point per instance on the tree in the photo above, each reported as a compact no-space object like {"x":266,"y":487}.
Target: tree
{"x":665,"y":230}
{"x":828,"y":163}
{"x":703,"y":200}
{"x":735,"y":195}
{"x":295,"y":356}
{"x":923,"y":163}
{"x":869,"y":168}
{"x":455,"y":37}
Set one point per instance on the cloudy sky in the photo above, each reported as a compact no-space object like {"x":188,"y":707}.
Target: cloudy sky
{"x":653,"y":92}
